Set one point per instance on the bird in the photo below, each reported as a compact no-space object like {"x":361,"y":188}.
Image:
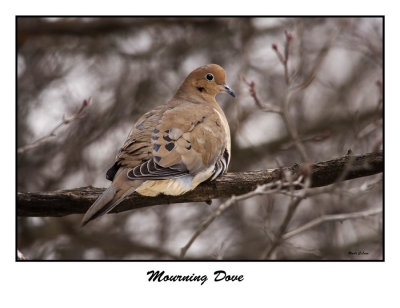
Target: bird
{"x":174,"y":147}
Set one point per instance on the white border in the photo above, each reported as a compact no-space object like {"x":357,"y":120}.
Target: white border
{"x":293,"y":284}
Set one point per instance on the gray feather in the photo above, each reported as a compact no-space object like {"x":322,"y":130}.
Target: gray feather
{"x":99,"y":207}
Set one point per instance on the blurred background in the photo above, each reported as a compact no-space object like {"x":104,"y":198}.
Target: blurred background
{"x":129,"y":65}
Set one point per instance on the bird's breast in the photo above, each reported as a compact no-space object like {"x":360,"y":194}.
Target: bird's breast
{"x":175,"y":186}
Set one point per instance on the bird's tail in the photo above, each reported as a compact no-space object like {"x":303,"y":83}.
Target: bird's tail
{"x":110,"y":198}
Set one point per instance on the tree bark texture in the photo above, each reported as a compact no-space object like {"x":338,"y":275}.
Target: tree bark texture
{"x":78,"y":200}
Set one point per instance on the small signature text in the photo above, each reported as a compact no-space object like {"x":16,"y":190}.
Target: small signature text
{"x":357,"y":252}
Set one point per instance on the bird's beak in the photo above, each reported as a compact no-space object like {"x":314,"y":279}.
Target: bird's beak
{"x":228,"y":90}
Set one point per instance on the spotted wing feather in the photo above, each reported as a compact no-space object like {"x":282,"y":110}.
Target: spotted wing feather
{"x":173,"y":142}
{"x":188,"y":138}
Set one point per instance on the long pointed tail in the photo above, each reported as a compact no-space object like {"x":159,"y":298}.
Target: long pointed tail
{"x":111,"y":197}
{"x":101,"y":205}
{"x":106,"y":202}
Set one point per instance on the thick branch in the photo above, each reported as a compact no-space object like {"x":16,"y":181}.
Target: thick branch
{"x":77,"y":201}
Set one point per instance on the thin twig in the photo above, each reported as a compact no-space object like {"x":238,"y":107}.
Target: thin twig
{"x":314,"y":192}
{"x":377,"y":121}
{"x":260,"y":190}
{"x":284,"y":59}
{"x":289,"y":38}
{"x":293,"y":205}
{"x":317,"y":63}
{"x":52,"y":134}
{"x":335,"y":217}
{"x":292,"y":129}
{"x":265,"y":189}
{"x":282,"y":228}
{"x":285,"y":102}
{"x":296,"y":198}
{"x":369,"y":128}
{"x":316,"y":138}
{"x":263,"y":106}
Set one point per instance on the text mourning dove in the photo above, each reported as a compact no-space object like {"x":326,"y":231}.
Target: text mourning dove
{"x":174,"y":147}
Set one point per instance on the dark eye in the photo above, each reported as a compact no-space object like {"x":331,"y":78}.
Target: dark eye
{"x":210,"y":77}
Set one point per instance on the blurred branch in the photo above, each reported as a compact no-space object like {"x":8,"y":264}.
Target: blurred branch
{"x":284,"y":58}
{"x":285,"y":102}
{"x":65,"y":121}
{"x":377,"y":121}
{"x":334,"y":125}
{"x":253,"y":93}
{"x":296,"y":199}
{"x":260,"y":190}
{"x":283,"y":226}
{"x":335,"y":217}
{"x":77,"y":201}
{"x":33,"y":27}
{"x":283,"y":109}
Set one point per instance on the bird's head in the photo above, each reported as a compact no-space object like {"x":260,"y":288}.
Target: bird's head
{"x":206,"y":81}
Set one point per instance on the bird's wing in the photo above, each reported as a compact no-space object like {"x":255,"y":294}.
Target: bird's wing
{"x":173,"y":141}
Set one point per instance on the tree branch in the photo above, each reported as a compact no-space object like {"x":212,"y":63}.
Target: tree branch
{"x":260,"y":190}
{"x":333,"y":217}
{"x":52,"y":134}
{"x":77,"y":201}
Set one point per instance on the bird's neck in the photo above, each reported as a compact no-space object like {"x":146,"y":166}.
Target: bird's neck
{"x":197,"y":98}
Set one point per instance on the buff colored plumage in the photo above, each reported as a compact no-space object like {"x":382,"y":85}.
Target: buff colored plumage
{"x":174,"y":147}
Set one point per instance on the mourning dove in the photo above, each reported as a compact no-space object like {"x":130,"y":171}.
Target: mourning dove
{"x":174,"y":147}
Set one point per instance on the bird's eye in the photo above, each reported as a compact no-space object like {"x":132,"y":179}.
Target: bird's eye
{"x":210,"y":77}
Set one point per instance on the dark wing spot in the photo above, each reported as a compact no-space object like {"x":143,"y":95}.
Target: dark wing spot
{"x":156,"y":147}
{"x":155,"y":138}
{"x":167,"y":131}
{"x":157,"y":159}
{"x":170,"y":146}
{"x":156,"y":131}
{"x":166,"y":138}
